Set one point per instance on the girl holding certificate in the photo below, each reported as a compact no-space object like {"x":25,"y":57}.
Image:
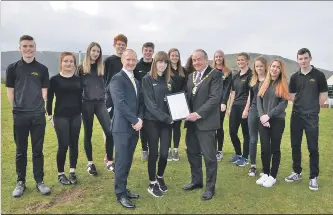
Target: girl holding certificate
{"x":179,"y":77}
{"x":156,"y":85}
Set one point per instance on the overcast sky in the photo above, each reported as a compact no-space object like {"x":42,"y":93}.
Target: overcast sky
{"x":276,"y":28}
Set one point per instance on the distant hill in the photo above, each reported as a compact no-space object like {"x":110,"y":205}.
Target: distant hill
{"x":51,"y":60}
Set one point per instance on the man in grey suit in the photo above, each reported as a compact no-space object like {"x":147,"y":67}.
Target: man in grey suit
{"x":126,"y":122}
{"x":204,"y":90}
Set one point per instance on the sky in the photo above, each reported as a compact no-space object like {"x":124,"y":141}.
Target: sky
{"x":275,"y":28}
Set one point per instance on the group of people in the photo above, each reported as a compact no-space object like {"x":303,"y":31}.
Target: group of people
{"x":129,"y":99}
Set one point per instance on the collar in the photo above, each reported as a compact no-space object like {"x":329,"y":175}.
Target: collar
{"x":300,"y":73}
{"x":128,"y":73}
{"x":24,"y":62}
{"x":203,"y":71}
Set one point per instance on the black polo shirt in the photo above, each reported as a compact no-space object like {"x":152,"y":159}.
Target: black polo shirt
{"x":307,"y":88}
{"x":27,"y":79}
{"x":241,"y":86}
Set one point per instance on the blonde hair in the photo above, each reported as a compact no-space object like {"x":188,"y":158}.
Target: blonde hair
{"x":255,"y":78}
{"x":87,"y":61}
{"x":226,"y":69}
{"x":161,"y":56}
{"x":281,"y":84}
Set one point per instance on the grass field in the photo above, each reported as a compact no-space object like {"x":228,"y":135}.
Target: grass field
{"x":235,"y":191}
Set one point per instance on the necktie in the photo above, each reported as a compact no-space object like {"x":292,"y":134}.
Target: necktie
{"x":133,"y":82}
{"x":197,"y":80}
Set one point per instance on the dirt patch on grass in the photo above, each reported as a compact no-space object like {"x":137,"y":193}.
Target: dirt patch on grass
{"x":61,"y":198}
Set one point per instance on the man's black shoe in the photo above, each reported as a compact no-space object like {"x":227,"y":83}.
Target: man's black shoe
{"x":132,"y":195}
{"x":192,"y":186}
{"x":126,"y":203}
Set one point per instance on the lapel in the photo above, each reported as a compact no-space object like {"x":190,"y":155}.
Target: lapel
{"x":130,"y":82}
{"x":205,"y":73}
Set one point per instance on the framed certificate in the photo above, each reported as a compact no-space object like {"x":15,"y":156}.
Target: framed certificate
{"x":178,"y":106}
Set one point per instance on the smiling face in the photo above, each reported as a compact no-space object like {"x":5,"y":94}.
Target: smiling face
{"x":174,"y":57}
{"x":275,"y":70}
{"x":218,"y":58}
{"x":129,"y":60}
{"x":147,"y":53}
{"x":28,"y":48}
{"x":242,"y":62}
{"x":200,"y":62}
{"x":120,"y":47}
{"x":94,"y":53}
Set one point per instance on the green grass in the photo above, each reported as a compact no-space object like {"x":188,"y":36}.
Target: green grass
{"x":235,"y":191}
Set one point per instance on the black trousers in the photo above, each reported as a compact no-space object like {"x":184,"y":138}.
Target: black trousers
{"x":144,"y":138}
{"x":68,"y":133}
{"x":220,"y":132}
{"x":35,"y":124}
{"x":270,"y":139}
{"x":309,"y":123}
{"x":176,"y":133}
{"x":125,"y":144}
{"x":98,"y":108}
{"x":234,"y":122}
{"x":198,"y":141}
{"x":158,"y":132}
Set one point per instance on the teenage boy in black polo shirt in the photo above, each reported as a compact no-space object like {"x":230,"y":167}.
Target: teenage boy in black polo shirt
{"x":142,"y":68}
{"x":309,"y":90}
{"x":27,"y":81}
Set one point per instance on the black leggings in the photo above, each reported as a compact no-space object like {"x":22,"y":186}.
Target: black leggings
{"x":270,"y":139}
{"x":220,"y":132}
{"x":68,"y":132}
{"x":176,"y":133}
{"x":99,"y":109}
{"x":234,"y":122}
{"x":158,"y":132}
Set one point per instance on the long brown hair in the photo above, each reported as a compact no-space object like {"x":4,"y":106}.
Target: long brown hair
{"x":161,"y":56}
{"x":179,"y":63}
{"x":63,"y":55}
{"x":189,"y":65}
{"x":225,"y":69}
{"x":281,"y":83}
{"x":255,"y":75}
{"x":86,"y":60}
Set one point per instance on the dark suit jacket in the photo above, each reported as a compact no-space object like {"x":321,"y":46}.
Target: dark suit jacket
{"x":206,"y":101}
{"x":128,"y":107}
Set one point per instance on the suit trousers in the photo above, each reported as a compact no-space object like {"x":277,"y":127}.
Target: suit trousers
{"x":125,"y":144}
{"x":198,"y":141}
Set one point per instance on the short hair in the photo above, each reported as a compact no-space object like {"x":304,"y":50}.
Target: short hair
{"x":203,"y":52}
{"x":244,"y":54}
{"x":303,"y":51}
{"x":26,"y":37}
{"x":148,"y":44}
{"x":120,"y":37}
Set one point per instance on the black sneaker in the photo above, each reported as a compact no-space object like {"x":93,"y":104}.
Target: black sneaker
{"x":154,"y":189}
{"x":73,"y":177}
{"x":162,"y":184}
{"x":63,"y":179}
{"x":92,"y":169}
{"x":110,"y":167}
{"x":19,"y":189}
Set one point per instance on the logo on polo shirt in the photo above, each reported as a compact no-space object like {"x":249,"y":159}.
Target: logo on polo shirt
{"x":140,"y":71}
{"x":312,"y":80}
{"x":34,"y":73}
{"x":243,"y":80}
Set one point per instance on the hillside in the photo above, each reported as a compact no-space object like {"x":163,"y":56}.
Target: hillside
{"x":51,"y":60}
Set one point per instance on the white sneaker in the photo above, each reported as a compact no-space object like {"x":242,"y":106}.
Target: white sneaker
{"x":262,"y":179}
{"x":269,"y":182}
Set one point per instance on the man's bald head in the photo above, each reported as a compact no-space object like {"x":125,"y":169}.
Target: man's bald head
{"x":129,"y":59}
